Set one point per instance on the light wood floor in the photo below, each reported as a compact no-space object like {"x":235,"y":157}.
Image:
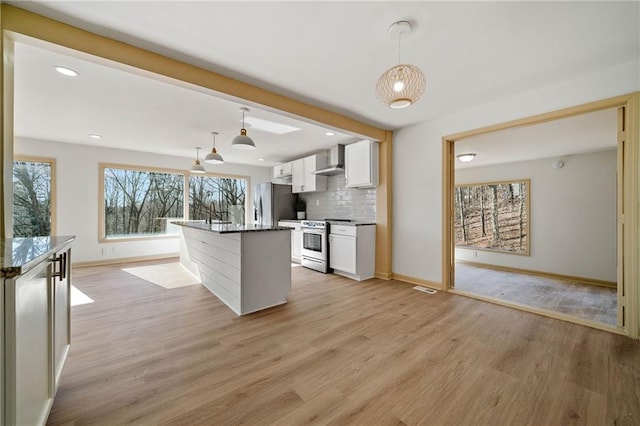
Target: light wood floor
{"x":578,"y":299}
{"x":340,"y":352}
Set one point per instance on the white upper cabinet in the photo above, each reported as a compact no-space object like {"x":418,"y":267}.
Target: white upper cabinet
{"x":361,"y":164}
{"x":282,"y":171}
{"x":303,"y":177}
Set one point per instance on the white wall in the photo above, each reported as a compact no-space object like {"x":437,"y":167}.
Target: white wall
{"x":417,"y":160}
{"x":77,"y":198}
{"x":572,"y":218}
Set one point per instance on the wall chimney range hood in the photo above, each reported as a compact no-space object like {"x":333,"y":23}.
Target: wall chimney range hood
{"x":336,"y":162}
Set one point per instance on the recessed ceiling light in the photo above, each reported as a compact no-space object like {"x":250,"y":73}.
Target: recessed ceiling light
{"x":66,"y":71}
{"x":94,"y":136}
{"x":260,"y":159}
{"x":330,"y":134}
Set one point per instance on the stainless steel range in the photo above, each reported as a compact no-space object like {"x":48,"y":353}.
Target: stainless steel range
{"x":315,"y":247}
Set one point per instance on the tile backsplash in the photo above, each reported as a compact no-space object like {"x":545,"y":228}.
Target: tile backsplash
{"x":338,"y":202}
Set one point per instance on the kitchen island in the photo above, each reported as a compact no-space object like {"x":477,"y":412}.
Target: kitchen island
{"x":247,"y":267}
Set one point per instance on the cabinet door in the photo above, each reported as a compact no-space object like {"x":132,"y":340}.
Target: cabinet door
{"x":62,"y":310}
{"x":277,"y":171}
{"x":342,"y":253}
{"x":313,"y":182}
{"x":296,"y":245}
{"x":298,"y":176}
{"x":358,"y":164}
{"x":29,"y":354}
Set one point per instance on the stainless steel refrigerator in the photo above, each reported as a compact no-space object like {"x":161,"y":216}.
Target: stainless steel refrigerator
{"x":273,"y":202}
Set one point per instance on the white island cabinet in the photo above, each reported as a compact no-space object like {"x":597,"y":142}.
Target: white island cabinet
{"x":247,"y":267}
{"x":35,"y":326}
{"x":352,"y":250}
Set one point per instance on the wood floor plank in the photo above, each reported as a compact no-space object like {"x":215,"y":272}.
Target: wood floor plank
{"x":340,"y":352}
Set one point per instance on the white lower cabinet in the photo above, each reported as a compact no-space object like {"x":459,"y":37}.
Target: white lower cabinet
{"x":352,"y":251}
{"x":36,"y":339}
{"x":296,"y":240}
{"x":342,"y":253}
{"x":296,"y":245}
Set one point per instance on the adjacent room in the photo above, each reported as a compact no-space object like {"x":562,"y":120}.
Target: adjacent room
{"x":536,"y":212}
{"x":417,"y":213}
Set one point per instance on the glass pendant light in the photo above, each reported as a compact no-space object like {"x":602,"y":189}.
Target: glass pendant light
{"x":404,"y":84}
{"x":213,"y":157}
{"x":242,"y":141}
{"x":197,"y":167}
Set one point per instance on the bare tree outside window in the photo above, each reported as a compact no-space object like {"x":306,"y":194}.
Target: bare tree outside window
{"x":493,"y":216}
{"x":217,"y":198}
{"x":141,"y":203}
{"x":32,"y":200}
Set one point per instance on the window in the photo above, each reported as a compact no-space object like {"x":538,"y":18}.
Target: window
{"x":493,"y":216}
{"x":217,"y":198}
{"x":140,"y":203}
{"x":33,"y":200}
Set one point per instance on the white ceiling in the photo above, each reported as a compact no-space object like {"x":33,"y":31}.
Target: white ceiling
{"x":593,"y":132}
{"x":134,"y":112}
{"x":330,"y":54}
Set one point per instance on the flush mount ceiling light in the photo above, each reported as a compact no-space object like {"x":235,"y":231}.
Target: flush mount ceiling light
{"x":466,"y":158}
{"x":242,"y":141}
{"x":197,"y":167}
{"x":65,"y":71}
{"x":95,"y":136}
{"x":330,"y":134}
{"x":213,"y":157}
{"x":404,"y":84}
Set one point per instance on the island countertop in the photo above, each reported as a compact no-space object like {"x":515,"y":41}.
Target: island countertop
{"x":229,"y":228}
{"x":19,"y":255}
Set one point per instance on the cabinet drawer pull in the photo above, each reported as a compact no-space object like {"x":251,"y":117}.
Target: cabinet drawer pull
{"x":62,"y":267}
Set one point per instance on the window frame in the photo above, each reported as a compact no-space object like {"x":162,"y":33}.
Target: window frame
{"x":53,"y":186}
{"x":102,"y":238}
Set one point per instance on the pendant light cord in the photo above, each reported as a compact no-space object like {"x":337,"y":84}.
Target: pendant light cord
{"x":399,"y":35}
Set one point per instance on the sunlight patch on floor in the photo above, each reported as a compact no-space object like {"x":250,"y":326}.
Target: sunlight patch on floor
{"x":79,"y":298}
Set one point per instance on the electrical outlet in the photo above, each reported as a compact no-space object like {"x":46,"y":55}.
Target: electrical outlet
{"x":317,"y":203}
{"x":475,"y":253}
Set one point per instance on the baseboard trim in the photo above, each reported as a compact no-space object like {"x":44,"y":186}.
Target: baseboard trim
{"x":124,"y":260}
{"x":418,"y":281}
{"x":543,"y":274}
{"x":383,"y":275}
{"x":543,"y":312}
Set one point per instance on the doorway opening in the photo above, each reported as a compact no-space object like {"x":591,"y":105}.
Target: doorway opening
{"x":536,"y":220}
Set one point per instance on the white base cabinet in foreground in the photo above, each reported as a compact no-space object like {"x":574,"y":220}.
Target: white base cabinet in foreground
{"x":36,"y":337}
{"x":352,"y":251}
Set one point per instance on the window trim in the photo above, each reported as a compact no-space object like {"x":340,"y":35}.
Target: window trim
{"x":53,"y":185}
{"x":102,"y":238}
